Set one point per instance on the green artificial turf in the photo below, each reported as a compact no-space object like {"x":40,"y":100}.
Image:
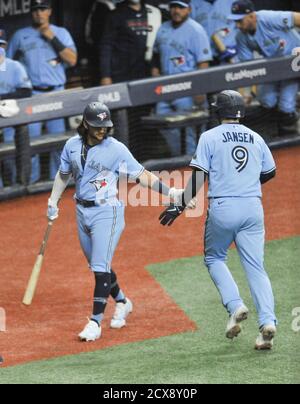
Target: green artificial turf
{"x":204,"y":356}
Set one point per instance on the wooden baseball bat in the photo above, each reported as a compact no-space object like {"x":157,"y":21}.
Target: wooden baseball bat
{"x":219,"y":43}
{"x":32,"y":284}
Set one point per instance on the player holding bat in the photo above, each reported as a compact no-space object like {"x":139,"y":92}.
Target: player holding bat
{"x":96,"y":162}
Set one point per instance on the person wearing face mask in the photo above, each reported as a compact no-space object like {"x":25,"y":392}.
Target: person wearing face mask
{"x":46,"y":51}
{"x":14,"y":84}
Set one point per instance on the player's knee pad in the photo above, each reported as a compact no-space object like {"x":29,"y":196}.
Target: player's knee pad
{"x":103,"y":284}
{"x":114,"y":279}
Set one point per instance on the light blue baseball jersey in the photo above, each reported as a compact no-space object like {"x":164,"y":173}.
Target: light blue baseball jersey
{"x":12,"y":76}
{"x":213,"y":16}
{"x":105,"y":163}
{"x":42,"y":63}
{"x":275,"y":36}
{"x":234,"y":157}
{"x":182,"y":48}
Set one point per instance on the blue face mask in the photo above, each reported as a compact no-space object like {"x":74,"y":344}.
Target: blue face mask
{"x":2,"y":52}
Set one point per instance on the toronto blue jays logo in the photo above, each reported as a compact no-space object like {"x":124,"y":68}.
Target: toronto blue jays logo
{"x":99,"y":184}
{"x":102,"y":116}
{"x":178,"y":61}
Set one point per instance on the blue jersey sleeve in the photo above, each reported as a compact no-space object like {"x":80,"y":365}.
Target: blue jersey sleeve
{"x":66,"y":38}
{"x":13,"y":46}
{"x":279,"y":20}
{"x":268,"y":163}
{"x":128,"y":165}
{"x":65,"y":163}
{"x":22,"y":79}
{"x":245,"y":53}
{"x":202,"y":159}
{"x":201,"y":46}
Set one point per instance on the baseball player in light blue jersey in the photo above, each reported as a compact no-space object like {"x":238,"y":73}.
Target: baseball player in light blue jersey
{"x":46,"y":51}
{"x":14,"y":84}
{"x":213,"y":16}
{"x":181,"y":46}
{"x":272,"y":34}
{"x":97,"y":162}
{"x":237,"y":161}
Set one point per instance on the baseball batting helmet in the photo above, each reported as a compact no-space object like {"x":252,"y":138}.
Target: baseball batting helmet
{"x":97,"y":115}
{"x":230,"y":104}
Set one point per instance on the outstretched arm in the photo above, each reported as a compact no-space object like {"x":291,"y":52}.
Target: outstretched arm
{"x":149,"y":180}
{"x":196,"y":182}
{"x":60,"y":184}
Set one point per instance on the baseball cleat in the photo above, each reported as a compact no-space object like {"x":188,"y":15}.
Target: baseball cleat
{"x":121,"y":313}
{"x":265,"y":340}
{"x":234,"y":325}
{"x":91,"y":332}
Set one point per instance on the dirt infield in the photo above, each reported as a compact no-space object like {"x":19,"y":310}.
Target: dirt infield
{"x":49,"y":328}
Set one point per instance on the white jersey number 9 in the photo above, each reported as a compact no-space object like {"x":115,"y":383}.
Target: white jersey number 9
{"x":241,"y":156}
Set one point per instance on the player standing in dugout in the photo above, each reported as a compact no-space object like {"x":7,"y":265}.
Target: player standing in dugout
{"x":46,"y":51}
{"x":272,"y":34}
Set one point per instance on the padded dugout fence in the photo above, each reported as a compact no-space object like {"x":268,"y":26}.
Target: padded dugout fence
{"x":130,"y":102}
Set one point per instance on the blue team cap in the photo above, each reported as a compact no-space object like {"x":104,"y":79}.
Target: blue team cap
{"x":240,"y":9}
{"x":3,"y":37}
{"x":181,"y":3}
{"x":40,"y":5}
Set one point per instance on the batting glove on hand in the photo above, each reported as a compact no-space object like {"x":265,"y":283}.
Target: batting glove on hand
{"x":230,"y":53}
{"x":193,"y":204}
{"x":53,"y":211}
{"x":9,"y":108}
{"x":176,"y":196}
{"x":169,"y":216}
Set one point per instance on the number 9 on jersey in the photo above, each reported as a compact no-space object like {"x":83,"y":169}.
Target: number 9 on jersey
{"x":241,"y":156}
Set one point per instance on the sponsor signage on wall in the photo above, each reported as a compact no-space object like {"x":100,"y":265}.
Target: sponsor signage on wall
{"x":151,"y":91}
{"x":67,"y":103}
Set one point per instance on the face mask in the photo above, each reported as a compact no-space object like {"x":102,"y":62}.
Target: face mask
{"x":2,"y":55}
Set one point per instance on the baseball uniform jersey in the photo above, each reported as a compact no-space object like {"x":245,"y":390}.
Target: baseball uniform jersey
{"x":182,"y":49}
{"x":42,"y":63}
{"x":12,"y":77}
{"x":96,"y":171}
{"x":234,"y":157}
{"x":212,"y":15}
{"x":275,"y":36}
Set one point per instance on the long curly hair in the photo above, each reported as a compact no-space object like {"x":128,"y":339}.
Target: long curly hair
{"x":83,"y":131}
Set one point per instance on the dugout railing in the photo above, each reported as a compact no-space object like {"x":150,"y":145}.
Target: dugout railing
{"x":131,"y":96}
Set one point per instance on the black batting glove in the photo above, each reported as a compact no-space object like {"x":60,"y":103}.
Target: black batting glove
{"x":168,"y":217}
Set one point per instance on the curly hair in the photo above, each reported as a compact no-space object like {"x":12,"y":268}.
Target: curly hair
{"x":83,"y":132}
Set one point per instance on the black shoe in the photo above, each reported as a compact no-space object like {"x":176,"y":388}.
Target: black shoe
{"x":288,"y":123}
